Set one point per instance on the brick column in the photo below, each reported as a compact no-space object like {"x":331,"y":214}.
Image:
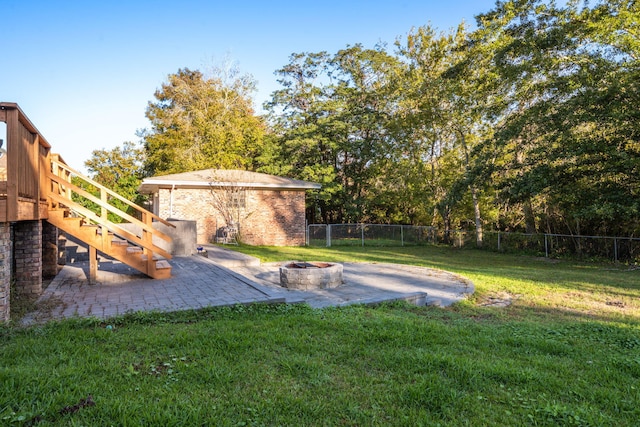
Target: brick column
{"x":49,"y":250}
{"x":5,"y":270}
{"x":62,"y":248}
{"x":27,"y":253}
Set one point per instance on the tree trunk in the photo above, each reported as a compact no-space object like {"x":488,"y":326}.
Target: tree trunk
{"x":529,"y":218}
{"x":474,"y":193}
{"x":478,"y":218}
{"x":446,"y":221}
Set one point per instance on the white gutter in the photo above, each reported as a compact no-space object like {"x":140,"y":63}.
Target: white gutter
{"x":230,"y":184}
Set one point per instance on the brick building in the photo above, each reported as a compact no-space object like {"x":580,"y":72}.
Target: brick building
{"x":265,"y":209}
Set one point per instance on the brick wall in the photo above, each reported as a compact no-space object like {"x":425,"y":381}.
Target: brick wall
{"x":277,"y":218}
{"x":27,"y":248}
{"x":5,"y":270}
{"x":271,"y":218}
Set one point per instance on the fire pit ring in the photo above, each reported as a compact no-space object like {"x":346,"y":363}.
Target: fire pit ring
{"x":310,"y":275}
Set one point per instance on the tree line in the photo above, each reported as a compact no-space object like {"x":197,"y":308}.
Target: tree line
{"x":529,"y":122}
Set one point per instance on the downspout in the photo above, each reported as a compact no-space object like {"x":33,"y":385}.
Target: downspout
{"x":173,"y":187}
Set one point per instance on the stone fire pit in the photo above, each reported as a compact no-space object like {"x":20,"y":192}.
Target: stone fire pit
{"x":310,"y":275}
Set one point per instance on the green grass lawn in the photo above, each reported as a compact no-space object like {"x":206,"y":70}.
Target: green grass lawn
{"x":566,"y":352}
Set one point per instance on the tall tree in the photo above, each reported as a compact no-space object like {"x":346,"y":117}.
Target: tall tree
{"x":423,"y":151}
{"x":329,"y":123}
{"x":200,"y":122}
{"x":443,"y":114}
{"x":298,"y":145}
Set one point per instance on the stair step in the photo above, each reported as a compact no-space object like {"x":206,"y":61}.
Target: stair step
{"x":162,"y":264}
{"x":162,"y":270}
{"x":134,"y":250}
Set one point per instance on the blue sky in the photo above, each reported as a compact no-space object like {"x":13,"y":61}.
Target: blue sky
{"x":84,"y":71}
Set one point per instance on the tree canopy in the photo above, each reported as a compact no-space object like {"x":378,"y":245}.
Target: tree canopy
{"x":529,"y":122}
{"x":200,"y":122}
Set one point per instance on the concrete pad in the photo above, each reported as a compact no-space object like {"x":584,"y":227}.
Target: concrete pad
{"x":228,"y":258}
{"x":369,"y":283}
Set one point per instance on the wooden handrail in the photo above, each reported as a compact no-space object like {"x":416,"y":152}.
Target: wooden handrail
{"x":105,"y":206}
{"x":64,"y":166}
{"x":114,"y":228}
{"x":60,"y":191}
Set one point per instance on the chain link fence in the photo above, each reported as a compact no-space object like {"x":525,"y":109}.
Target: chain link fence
{"x":369,"y":235}
{"x":618,"y":249}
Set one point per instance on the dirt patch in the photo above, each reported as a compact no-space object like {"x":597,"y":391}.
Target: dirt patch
{"x":500,"y":300}
{"x":619,"y":304}
{"x":43,"y":310}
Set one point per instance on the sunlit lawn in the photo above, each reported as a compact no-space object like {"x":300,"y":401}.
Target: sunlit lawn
{"x":565,"y":352}
{"x":541,"y":286}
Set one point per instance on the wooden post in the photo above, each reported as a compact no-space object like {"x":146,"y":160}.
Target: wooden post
{"x":93,"y":264}
{"x":147,"y":238}
{"x":14,"y":146}
{"x":104,"y":215}
{"x":45,"y":168}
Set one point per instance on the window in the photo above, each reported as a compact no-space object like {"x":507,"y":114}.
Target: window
{"x":238,"y":199}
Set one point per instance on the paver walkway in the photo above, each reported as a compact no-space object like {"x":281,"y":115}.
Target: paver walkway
{"x":196,"y":283}
{"x":199,"y":282}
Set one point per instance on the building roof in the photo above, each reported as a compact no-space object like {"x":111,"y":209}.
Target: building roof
{"x":224,"y":178}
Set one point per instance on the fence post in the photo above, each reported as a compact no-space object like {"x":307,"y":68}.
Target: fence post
{"x":615,"y":249}
{"x":498,"y":241}
{"x":546,"y":247}
{"x":328,"y":235}
{"x":362,"y":233}
{"x":402,"y":234}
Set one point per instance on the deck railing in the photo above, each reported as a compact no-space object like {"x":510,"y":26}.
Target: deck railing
{"x":22,"y":186}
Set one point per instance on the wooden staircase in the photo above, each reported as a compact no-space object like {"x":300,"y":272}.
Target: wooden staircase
{"x":139,"y":249}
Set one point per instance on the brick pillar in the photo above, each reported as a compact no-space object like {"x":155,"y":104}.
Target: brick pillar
{"x":5,"y":270}
{"x":27,"y":253}
{"x":62,"y":248}
{"x":49,"y":250}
